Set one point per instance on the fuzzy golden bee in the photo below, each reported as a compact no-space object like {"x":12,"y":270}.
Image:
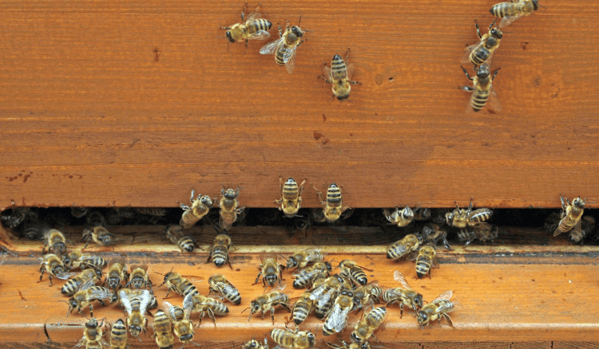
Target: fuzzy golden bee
{"x":482,"y":89}
{"x":408,"y":244}
{"x":199,"y":208}
{"x":461,"y":218}
{"x":367,"y":294}
{"x":291,"y":197}
{"x":426,"y":258}
{"x":353,"y":271}
{"x":571,"y":215}
{"x":220,"y":285}
{"x":53,"y":265}
{"x":433,"y":233}
{"x":270,"y":270}
{"x":484,"y":50}
{"x":92,"y":335}
{"x":251,"y":28}
{"x":138,"y":277}
{"x":302,"y":308}
{"x":511,"y":11}
{"x":404,"y":295}
{"x":400,"y":217}
{"x":269,"y":301}
{"x":254,"y":344}
{"x":163,"y":330}
{"x":118,"y":335}
{"x":336,"y":319}
{"x":181,"y":285}
{"x":204,"y":305}
{"x":285,"y":48}
{"x":80,"y":260}
{"x":174,"y":233}
{"x":72,"y":285}
{"x":88,"y":293}
{"x":219,"y":251}
{"x":55,"y":242}
{"x":229,"y":207}
{"x":131,"y":293}
{"x":304,"y":278}
{"x":182,"y":324}
{"x":421,"y":213}
{"x":324,"y":292}
{"x":333,"y":206}
{"x":482,"y":232}
{"x":289,"y":339}
{"x":136,"y":306}
{"x":436,"y":310}
{"x":301,"y":259}
{"x":368,"y":324}
{"x":117,"y":273}
{"x":339,"y":76}
{"x":99,"y":235}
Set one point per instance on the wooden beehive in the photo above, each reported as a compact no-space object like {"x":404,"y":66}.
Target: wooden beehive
{"x":134,"y":102}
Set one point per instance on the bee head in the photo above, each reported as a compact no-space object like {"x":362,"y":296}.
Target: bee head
{"x":422,"y":318}
{"x":114,"y":299}
{"x":254,"y":307}
{"x":449,"y":218}
{"x":328,"y":266}
{"x":311,"y":339}
{"x":535,"y":4}
{"x":186,"y":337}
{"x":67,"y":261}
{"x":418,"y":301}
{"x":365,"y":345}
{"x":346,"y":292}
{"x":578,"y":202}
{"x":355,"y":338}
{"x":72,"y":303}
{"x":106,"y":240}
{"x":496,"y":32}
{"x":59,"y":269}
{"x":230,"y":194}
{"x":291,"y":262}
{"x":408,"y":213}
{"x":483,"y":71}
{"x":206,"y":200}
{"x":135,"y":330}
{"x":271,"y":279}
{"x":229,"y":36}
{"x":297,"y":31}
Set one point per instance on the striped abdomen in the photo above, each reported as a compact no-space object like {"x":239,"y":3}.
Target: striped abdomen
{"x":403,"y":247}
{"x":480,"y":215}
{"x":479,"y":55}
{"x":424,"y":261}
{"x":290,"y":190}
{"x":302,"y":308}
{"x":568,"y":222}
{"x":186,"y":243}
{"x":479,"y":99}
{"x":186,"y":287}
{"x":334,"y":198}
{"x":322,"y":305}
{"x":375,"y":317}
{"x":219,"y":255}
{"x":444,"y":305}
{"x":257,"y":25}
{"x":357,"y":274}
{"x":230,"y":293}
{"x":281,"y":50}
{"x":338,"y":68}
{"x":118,"y":335}
{"x":189,"y":218}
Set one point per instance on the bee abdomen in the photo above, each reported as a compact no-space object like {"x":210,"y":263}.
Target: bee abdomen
{"x":232,"y":294}
{"x":279,"y":55}
{"x":186,"y":243}
{"x":334,"y":195}
{"x":258,"y":25}
{"x":423,"y":266}
{"x":479,"y":99}
{"x":396,"y":251}
{"x":482,"y":214}
{"x":300,"y":313}
{"x":502,"y":9}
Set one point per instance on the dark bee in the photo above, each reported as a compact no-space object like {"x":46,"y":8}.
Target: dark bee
{"x":352,"y":271}
{"x":219,"y":284}
{"x":483,"y":51}
{"x":252,"y":28}
{"x":307,"y":276}
{"x":72,"y":285}
{"x":270,"y":270}
{"x":482,"y":89}
{"x":138,"y":277}
{"x":511,"y":11}
{"x":174,"y":233}
{"x":219,"y":251}
{"x":410,"y":243}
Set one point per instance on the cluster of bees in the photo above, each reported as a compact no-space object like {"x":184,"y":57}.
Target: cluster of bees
{"x":481,"y":54}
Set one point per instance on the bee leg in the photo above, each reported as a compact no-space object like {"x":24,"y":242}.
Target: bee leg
{"x":376,"y":339}
{"x":355,"y":82}
{"x":272,"y":315}
{"x":478,"y":30}
{"x":496,"y":71}
{"x":446,"y":316}
{"x":91,"y":310}
{"x":400,"y":310}
{"x":211,"y":315}
{"x":229,"y":262}
{"x":243,"y":11}
{"x":257,"y":278}
{"x":50,"y":278}
{"x":469,"y":78}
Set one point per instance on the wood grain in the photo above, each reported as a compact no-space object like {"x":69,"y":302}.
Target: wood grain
{"x":134,"y":102}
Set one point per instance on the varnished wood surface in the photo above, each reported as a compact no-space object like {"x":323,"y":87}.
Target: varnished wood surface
{"x":510,"y":301}
{"x":134,"y":102}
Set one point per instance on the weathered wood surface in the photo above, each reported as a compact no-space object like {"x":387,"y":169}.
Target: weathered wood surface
{"x":512,"y":301}
{"x":134,"y":102}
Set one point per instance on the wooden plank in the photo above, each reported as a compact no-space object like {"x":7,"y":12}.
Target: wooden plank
{"x":515,"y":300}
{"x":133,"y":102}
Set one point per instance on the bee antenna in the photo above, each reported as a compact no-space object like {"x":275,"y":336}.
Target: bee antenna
{"x":300,"y":21}
{"x":284,"y":257}
{"x":244,"y":310}
{"x":194,"y":343}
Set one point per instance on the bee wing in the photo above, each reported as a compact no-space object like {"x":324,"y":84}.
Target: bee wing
{"x":125,"y":301}
{"x":351,"y":69}
{"x":259,"y":35}
{"x":169,"y":310}
{"x":143,"y":266}
{"x":270,"y":48}
{"x":494,"y":101}
{"x":252,"y":16}
{"x":87,"y":284}
{"x":398,"y":276}
{"x":144,"y":300}
{"x":188,"y":303}
{"x":340,"y":319}
{"x":66,"y":275}
{"x":445,"y":295}
{"x":508,"y":20}
{"x":317,"y":292}
{"x":466,"y":56}
{"x":327,"y":72}
{"x":289,"y":59}
{"x":101,"y":293}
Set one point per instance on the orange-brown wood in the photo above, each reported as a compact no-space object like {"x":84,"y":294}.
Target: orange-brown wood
{"x":134,"y":102}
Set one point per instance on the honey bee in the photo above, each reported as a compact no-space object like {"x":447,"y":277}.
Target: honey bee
{"x":139,"y":277}
{"x":511,"y":11}
{"x":433,"y":233}
{"x":333,"y":206}
{"x":401,"y":218}
{"x":174,"y":233}
{"x":88,"y":293}
{"x":403,"y":295}
{"x":204,"y":305}
{"x":15,"y":217}
{"x":351,"y":345}
{"x":116,"y":274}
{"x":370,"y":293}
{"x":304,"y":257}
{"x":118,"y":335}
{"x":306,"y":277}
{"x":219,"y":251}
{"x":324,"y":292}
{"x":78,"y":259}
{"x":254,"y":344}
{"x":291,"y":197}
{"x":199,"y":208}
{"x":176,"y":282}
{"x":422,"y":214}
{"x":482,"y":89}
{"x":229,"y":207}
{"x":136,"y":306}
{"x":53,"y":265}
{"x":302,"y":308}
{"x":286,"y":338}
{"x":410,"y":243}
{"x":97,"y":234}
{"x":354,"y":272}
{"x":483,"y":51}
{"x":163,"y":330}
{"x":336,"y":319}
{"x":132,"y":293}
{"x":269,"y":301}
{"x":425,"y":260}
{"x":219,"y":284}
{"x":270,"y":271}
{"x":151,"y":211}
{"x":285,"y":48}
{"x":79,"y":212}
{"x":32,"y":229}
{"x":339,"y":76}
{"x":55,"y":241}
{"x":436,"y":310}
{"x":571,"y":214}
{"x":181,"y":324}
{"x":460,"y":218}
{"x":72,"y":285}
{"x":587,"y":226}
{"x":252,"y":28}
{"x":92,"y":335}
{"x":482,"y":231}
{"x":369,"y":323}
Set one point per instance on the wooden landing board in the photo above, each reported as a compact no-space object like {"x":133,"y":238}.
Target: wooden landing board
{"x":514,"y":300}
{"x":134,"y":102}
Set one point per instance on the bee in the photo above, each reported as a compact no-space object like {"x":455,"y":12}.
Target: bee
{"x":422,"y":214}
{"x":370,"y":293}
{"x":369,"y":323}
{"x":97,"y":234}
{"x":151,"y":211}
{"x":306,"y":277}
{"x":204,"y":305}
{"x":163,"y":330}
{"x":116,"y":274}
{"x":181,"y":324}
{"x":483,"y":51}
{"x":401,"y":218}
{"x":79,"y":212}
{"x":410,"y":243}
{"x":199,"y":208}
{"x":254,"y":344}
{"x":285,"y":48}
{"x":176,"y":282}
{"x":219,"y":251}
{"x":32,"y":229}
{"x":436,"y":310}
{"x":511,"y":11}
{"x":482,"y":89}
{"x":302,"y":308}
{"x":53,"y":265}
{"x":270,"y":271}
{"x":78,"y":259}
{"x":425,"y":260}
{"x":324,"y":292}
{"x":118,"y":335}
{"x":403,"y":295}
{"x":354,"y":272}
{"x":587,"y":226}
{"x":482,"y":231}
{"x":136,"y":306}
{"x":460,"y":218}
{"x":72,"y":285}
{"x":291,"y":197}
{"x":269,"y":301}
{"x":92,"y":335}
{"x":297,"y":339}
{"x":219,"y":284}
{"x":88,"y":293}
{"x":131,"y":293}
{"x":304,"y":257}
{"x":433,"y":233}
{"x":339,"y":76}
{"x":55,"y":241}
{"x":252,"y":28}
{"x":336,"y":319}
{"x":174,"y":233}
{"x":351,"y":345}
{"x":139,"y":277}
{"x":16,"y":216}
{"x":229,"y":207}
{"x":571,"y":214}
{"x":333,"y":206}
